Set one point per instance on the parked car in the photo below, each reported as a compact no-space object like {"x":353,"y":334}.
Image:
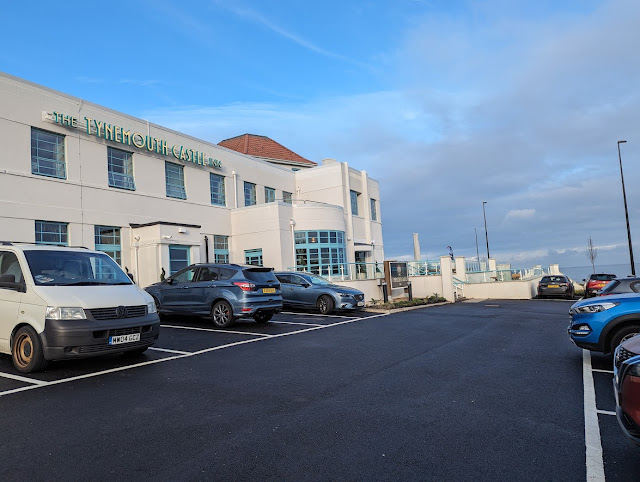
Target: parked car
{"x":595,"y":283}
{"x":602,"y":323}
{"x":225,"y":292}
{"x":60,"y":303}
{"x":621,"y":285}
{"x":626,"y":387}
{"x":308,"y":290}
{"x":555,"y":285}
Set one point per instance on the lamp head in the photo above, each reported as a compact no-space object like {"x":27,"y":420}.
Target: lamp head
{"x":621,"y":142}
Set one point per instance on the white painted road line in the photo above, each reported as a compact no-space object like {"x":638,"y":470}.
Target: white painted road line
{"x":295,"y":323}
{"x":318,"y":315}
{"x":606,"y":412}
{"x":23,"y":379}
{"x":214,"y":330}
{"x":601,"y":371}
{"x":593,"y":443}
{"x":170,"y":358}
{"x":170,"y":351}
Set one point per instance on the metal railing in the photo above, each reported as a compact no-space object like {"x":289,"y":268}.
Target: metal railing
{"x":423,"y":268}
{"x":344,"y":271}
{"x":505,"y":275}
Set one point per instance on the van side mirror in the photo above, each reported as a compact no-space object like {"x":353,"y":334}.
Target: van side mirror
{"x":8,"y":281}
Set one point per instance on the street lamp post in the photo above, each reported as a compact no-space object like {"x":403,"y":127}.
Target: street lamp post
{"x":486,"y":236}
{"x":626,"y":212}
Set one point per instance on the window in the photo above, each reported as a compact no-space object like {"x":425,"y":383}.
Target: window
{"x":374,"y":213}
{"x":269,"y":194}
{"x":354,"y":202}
{"x":9,"y":265}
{"x":49,"y":232}
{"x":221,"y":249}
{"x":107,"y":239}
{"x":286,"y":197}
{"x":47,"y":154}
{"x":217,"y":189}
{"x":253,"y":256}
{"x":249,"y":193}
{"x":178,"y":258}
{"x":174,"y":176}
{"x":185,"y":276}
{"x":320,"y":252}
{"x":120,"y":165}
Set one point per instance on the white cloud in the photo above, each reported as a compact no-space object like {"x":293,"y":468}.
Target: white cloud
{"x":520,"y":214}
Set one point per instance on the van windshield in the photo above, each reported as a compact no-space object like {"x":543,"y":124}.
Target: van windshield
{"x":72,"y":268}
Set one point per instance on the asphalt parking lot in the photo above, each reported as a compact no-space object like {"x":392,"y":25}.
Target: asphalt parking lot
{"x":472,"y":391}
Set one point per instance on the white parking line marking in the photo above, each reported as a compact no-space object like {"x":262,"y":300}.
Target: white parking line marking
{"x":170,"y":358}
{"x":295,"y":323}
{"x":601,"y":371}
{"x":593,"y":443}
{"x":605,"y":412}
{"x":317,"y":314}
{"x":23,"y":379}
{"x":214,"y":330}
{"x":170,"y":351}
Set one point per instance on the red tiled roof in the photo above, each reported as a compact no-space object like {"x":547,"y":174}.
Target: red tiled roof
{"x":262,"y":146}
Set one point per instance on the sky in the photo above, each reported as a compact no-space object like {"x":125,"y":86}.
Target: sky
{"x":447,"y":103}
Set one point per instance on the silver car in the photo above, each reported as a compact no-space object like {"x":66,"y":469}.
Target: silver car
{"x":306,"y":290}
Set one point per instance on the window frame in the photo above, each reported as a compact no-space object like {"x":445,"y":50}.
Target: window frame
{"x":60,"y":233}
{"x":221,"y":192}
{"x":128,"y":179}
{"x":58,"y":164}
{"x":250,"y":194}
{"x":174,"y":248}
{"x":354,"y":198}
{"x":180,"y":189}
{"x":269,"y":194}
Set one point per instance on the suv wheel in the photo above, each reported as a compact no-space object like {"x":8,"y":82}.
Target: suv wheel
{"x":263,"y":316}
{"x":325,"y":304}
{"x":221,"y":314}
{"x":26,"y":352}
{"x":621,"y":335}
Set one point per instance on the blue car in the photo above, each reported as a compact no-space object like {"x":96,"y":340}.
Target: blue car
{"x":602,"y":323}
{"x":306,"y":290}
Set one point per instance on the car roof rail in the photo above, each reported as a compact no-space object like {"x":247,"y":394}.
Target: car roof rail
{"x":6,"y":243}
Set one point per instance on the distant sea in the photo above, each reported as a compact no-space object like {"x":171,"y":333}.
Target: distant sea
{"x":578,"y":273}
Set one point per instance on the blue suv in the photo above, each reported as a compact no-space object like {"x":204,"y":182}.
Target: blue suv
{"x":602,"y":323}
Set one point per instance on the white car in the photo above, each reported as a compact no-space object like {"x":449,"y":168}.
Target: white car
{"x":61,"y":303}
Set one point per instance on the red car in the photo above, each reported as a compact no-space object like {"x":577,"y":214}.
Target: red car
{"x":626,"y":387}
{"x":596,"y":282}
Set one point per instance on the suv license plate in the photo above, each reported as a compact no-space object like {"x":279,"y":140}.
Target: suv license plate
{"x":268,"y":290}
{"x":116,"y":340}
{"x":553,"y":286}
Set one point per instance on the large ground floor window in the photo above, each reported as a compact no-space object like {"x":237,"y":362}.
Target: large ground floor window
{"x":321,"y":252}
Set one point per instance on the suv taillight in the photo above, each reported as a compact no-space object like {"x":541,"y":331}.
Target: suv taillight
{"x":244,"y":286}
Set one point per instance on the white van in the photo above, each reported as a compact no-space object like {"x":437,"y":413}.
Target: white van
{"x":60,"y":303}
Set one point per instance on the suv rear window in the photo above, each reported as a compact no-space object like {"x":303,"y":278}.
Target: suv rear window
{"x":261,"y":275}
{"x":602,"y":277}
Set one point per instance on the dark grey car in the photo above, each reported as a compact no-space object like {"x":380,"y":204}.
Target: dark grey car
{"x":224,"y":292}
{"x":308,"y":290}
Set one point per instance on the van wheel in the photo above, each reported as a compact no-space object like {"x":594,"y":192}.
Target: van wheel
{"x":221,"y":314}
{"x":26,"y":352}
{"x":325,"y":304}
{"x":263,"y":316}
{"x":621,"y":335}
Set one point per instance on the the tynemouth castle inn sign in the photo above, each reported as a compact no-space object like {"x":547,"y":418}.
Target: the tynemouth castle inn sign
{"x":121,"y":135}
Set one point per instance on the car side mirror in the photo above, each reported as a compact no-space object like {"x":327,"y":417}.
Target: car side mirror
{"x":169,"y":281}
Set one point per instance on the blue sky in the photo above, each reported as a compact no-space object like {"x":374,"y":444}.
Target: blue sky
{"x":446,"y":103}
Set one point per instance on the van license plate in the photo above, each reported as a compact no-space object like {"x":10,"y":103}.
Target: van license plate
{"x":116,"y":340}
{"x":268,"y":290}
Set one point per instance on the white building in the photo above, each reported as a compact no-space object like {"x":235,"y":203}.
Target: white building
{"x":75,"y":173}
